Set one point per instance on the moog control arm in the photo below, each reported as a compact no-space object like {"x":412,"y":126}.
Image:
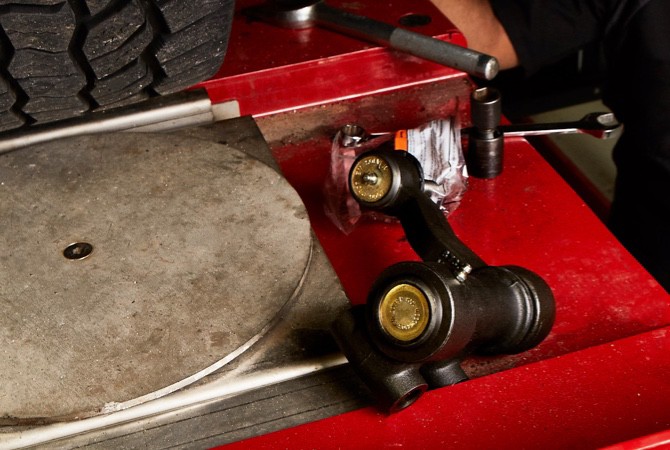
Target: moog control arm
{"x":422,"y":318}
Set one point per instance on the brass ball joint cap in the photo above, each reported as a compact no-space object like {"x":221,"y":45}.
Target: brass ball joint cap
{"x":384,"y":179}
{"x":417,"y":312}
{"x":404,"y":312}
{"x":370,"y":179}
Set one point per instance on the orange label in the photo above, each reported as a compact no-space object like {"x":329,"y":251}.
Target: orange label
{"x":401,"y":140}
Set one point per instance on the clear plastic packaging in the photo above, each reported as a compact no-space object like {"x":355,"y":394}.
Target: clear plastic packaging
{"x":437,"y":147}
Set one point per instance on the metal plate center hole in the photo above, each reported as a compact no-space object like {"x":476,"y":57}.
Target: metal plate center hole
{"x":78,"y":250}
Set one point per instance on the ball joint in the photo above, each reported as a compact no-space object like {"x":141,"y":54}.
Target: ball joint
{"x":422,"y":318}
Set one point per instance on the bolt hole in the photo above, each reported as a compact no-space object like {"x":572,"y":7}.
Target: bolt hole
{"x":486,"y":95}
{"x":415,"y":20}
{"x":352,"y":135}
{"x":408,"y":398}
{"x":78,"y":250}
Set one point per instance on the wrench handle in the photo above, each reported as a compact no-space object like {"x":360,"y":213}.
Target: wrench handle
{"x":451,"y":55}
{"x":445,"y":53}
{"x":601,"y":125}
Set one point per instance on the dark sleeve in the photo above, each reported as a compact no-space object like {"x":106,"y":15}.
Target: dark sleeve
{"x":544,"y":31}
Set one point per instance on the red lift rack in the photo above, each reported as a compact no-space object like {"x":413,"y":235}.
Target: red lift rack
{"x":599,"y":379}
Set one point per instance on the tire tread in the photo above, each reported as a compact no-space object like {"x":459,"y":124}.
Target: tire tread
{"x":61,"y":58}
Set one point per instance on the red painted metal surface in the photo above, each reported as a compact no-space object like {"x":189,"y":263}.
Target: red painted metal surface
{"x":270,"y":69}
{"x":528,"y":216}
{"x":588,"y":399}
{"x":599,"y":379}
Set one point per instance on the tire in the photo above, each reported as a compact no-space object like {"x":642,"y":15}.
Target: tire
{"x":63,"y":58}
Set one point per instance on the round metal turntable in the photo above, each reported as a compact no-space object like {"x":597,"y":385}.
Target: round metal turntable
{"x":132,"y":265}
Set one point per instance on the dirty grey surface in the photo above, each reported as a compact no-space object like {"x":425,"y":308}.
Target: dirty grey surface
{"x":197,"y":247}
{"x":254,"y":413}
{"x":301,"y":335}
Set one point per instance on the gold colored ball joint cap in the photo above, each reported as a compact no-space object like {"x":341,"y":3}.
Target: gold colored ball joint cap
{"x":371,"y":179}
{"x":404,"y":312}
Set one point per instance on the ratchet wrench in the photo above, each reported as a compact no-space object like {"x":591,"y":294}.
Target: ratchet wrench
{"x":300,"y":14}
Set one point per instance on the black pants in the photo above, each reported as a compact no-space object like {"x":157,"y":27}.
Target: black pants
{"x":639,"y":92}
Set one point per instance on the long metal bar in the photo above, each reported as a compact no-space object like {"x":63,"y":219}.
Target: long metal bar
{"x":172,"y":404}
{"x":308,"y":14}
{"x":189,"y":108}
{"x":445,"y":53}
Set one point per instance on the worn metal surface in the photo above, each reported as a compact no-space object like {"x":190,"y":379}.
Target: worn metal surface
{"x":281,"y":381}
{"x":196,"y":248}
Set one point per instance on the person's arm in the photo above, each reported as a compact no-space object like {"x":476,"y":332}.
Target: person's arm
{"x":481,"y":28}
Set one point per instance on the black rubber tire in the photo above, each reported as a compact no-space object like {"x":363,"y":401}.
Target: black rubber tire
{"x":62,"y":58}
